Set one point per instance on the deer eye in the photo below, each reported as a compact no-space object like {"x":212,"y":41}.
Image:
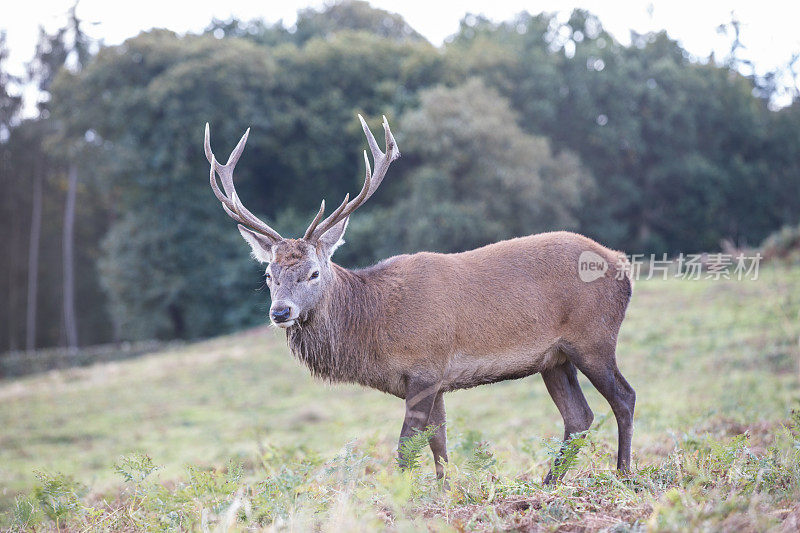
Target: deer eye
{"x":314,"y":275}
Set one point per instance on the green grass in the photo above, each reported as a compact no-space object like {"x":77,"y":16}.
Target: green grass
{"x":243,"y":436}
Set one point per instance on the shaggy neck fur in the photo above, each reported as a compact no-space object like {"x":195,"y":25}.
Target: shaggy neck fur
{"x":337,"y":340}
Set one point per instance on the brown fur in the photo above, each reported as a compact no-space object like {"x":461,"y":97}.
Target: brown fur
{"x":292,"y":251}
{"x":419,"y":325}
{"x":502,"y":311}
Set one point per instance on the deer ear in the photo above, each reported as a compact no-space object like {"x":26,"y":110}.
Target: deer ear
{"x":261,"y":245}
{"x":333,"y":238}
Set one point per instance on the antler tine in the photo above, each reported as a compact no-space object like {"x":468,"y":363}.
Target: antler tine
{"x":230,"y":200}
{"x":315,"y":223}
{"x":215,"y":187}
{"x":237,"y":152}
{"x":373,"y":144}
{"x":226,"y":171}
{"x":207,"y":145}
{"x":316,"y":220}
{"x":391,"y":144}
{"x":344,"y":209}
{"x":253,"y":221}
{"x":371,"y":180}
{"x":386,"y":159}
{"x":366,"y":165}
{"x":227,"y":205}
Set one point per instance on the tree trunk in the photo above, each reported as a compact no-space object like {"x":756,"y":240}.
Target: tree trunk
{"x":13,"y":252}
{"x":33,"y":261}
{"x":176,"y":316}
{"x":70,"y":320}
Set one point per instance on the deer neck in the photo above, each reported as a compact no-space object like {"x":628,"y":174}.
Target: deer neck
{"x":336,"y":341}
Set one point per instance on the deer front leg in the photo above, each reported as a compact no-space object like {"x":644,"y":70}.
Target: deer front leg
{"x":421,"y":396}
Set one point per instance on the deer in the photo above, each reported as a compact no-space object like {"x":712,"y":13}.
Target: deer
{"x":419,"y":325}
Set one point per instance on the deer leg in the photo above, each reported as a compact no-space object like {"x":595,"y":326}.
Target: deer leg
{"x":420,"y":399}
{"x":562,"y":384}
{"x":602,"y":371}
{"x":438,"y":443}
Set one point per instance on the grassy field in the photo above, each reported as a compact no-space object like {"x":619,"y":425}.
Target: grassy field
{"x":233,"y":433}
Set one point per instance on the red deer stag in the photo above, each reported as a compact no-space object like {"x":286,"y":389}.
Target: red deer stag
{"x":417,"y":326}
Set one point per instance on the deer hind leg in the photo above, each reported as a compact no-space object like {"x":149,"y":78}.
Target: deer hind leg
{"x":424,"y":407}
{"x":562,"y":384}
{"x":600,"y":366}
{"x":438,"y":443}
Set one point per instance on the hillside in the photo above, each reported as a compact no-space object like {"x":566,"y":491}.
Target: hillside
{"x":710,"y":361}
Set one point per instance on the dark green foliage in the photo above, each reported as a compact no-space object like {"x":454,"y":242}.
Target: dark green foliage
{"x":38,"y":150}
{"x":135,"y":468}
{"x":480,"y":178}
{"x":477,"y":178}
{"x":511,"y":128}
{"x":351,"y":15}
{"x":58,"y":496}
{"x":166,"y":274}
{"x":412,"y":448}
{"x":158,"y":259}
{"x":9,"y":103}
{"x":26,"y":512}
{"x":676,"y":147}
{"x":566,"y":456}
{"x":480,"y":460}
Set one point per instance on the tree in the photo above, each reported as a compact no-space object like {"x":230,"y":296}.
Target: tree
{"x":53,"y":52}
{"x":161,"y":265}
{"x":68,"y":45}
{"x":9,"y":103}
{"x":33,"y":259}
{"x":36,"y":160}
{"x":9,"y":109}
{"x":352,"y":15}
{"x":479,"y":177}
{"x":676,"y":147}
{"x":80,"y":50}
{"x":143,"y":99}
{"x":514,"y":127}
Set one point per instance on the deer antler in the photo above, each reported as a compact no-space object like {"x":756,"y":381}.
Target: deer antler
{"x":230,"y":200}
{"x":371,"y":182}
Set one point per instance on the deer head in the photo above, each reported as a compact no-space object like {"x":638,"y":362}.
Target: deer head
{"x":298,"y":270}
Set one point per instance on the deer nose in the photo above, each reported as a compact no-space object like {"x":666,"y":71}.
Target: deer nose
{"x":281,"y":313}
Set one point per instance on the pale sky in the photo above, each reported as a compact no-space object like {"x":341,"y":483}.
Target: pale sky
{"x":768,"y":26}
